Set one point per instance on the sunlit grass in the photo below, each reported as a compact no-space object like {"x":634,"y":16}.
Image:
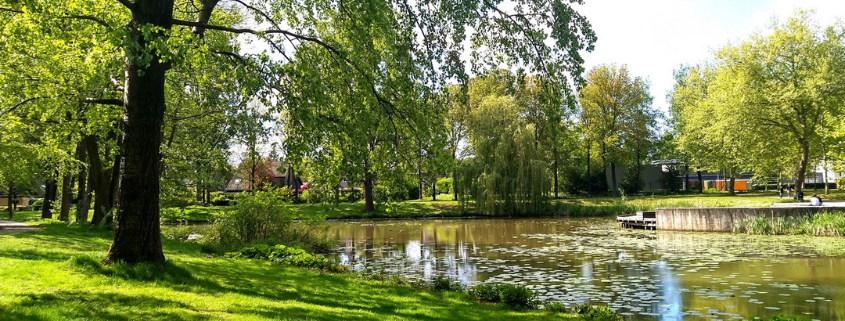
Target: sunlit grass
{"x":55,"y":274}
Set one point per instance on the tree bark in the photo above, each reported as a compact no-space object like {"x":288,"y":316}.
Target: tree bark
{"x":434,"y":189}
{"x":731,"y":182}
{"x":589,"y":179}
{"x":114,"y":186}
{"x":554,"y":154}
{"x":455,"y":173}
{"x":802,"y":166}
{"x":368,"y":189}
{"x":101,"y":181}
{"x":824,"y":172}
{"x":49,"y":199}
{"x":12,"y":201}
{"x":83,"y":195}
{"x":613,"y":178}
{"x":64,"y":212}
{"x":700,"y":181}
{"x":137,"y":236}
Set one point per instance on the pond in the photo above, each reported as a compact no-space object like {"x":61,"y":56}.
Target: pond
{"x":646,"y":275}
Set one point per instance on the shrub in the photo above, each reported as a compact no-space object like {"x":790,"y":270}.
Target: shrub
{"x":443,"y":283}
{"x":256,"y":218}
{"x":488,"y":292}
{"x":265,"y":218}
{"x":444,"y":185}
{"x":219,"y":199}
{"x":516,"y":296}
{"x":289,"y":256}
{"x":556,"y":307}
{"x":596,"y":313}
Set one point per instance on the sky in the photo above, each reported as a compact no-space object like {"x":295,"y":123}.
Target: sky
{"x":655,"y":37}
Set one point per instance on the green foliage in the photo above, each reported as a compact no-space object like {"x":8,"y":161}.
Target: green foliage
{"x":670,"y":180}
{"x":444,"y":283}
{"x":819,"y":224}
{"x":555,"y":307}
{"x":293,"y":256}
{"x":488,"y":292}
{"x":596,"y":313}
{"x":444,"y":185}
{"x":260,"y":217}
{"x":509,"y":173}
{"x":617,"y":118}
{"x":516,"y":296}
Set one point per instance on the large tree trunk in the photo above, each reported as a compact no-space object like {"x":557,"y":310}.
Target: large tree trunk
{"x":613,"y":178}
{"x":434,"y":188}
{"x":49,"y":198}
{"x":83,"y":196}
{"x":686,"y":172}
{"x":137,"y":237}
{"x":101,"y":181}
{"x":64,"y":212}
{"x":368,"y":190}
{"x":802,"y":166}
{"x":114,"y":186}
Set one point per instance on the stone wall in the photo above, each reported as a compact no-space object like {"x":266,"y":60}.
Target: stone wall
{"x":716,"y":219}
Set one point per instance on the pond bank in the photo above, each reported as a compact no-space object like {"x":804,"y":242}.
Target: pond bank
{"x":640,"y":273}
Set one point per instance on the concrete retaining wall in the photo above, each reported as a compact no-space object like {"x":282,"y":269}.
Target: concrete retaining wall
{"x":722,"y":219}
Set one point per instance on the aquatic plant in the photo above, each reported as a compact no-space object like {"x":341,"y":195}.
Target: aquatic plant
{"x":819,"y":224}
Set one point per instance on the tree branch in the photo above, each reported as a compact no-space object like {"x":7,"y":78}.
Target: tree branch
{"x":104,"y":101}
{"x":15,"y":106}
{"x":10,"y":10}
{"x":257,"y":33}
{"x":90,"y":18}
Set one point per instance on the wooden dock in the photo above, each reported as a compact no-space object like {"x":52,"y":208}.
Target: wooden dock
{"x":643,"y":220}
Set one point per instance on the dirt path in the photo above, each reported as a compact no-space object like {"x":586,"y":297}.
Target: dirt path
{"x":8,"y":227}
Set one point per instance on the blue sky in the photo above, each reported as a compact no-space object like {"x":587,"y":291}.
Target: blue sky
{"x":654,"y":37}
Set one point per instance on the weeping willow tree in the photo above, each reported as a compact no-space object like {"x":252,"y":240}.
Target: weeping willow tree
{"x":506,"y":172}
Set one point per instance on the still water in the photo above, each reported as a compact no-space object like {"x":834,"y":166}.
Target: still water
{"x":646,"y":275}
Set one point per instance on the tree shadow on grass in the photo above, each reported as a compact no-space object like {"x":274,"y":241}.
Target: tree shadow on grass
{"x":99,"y":306}
{"x":307,"y":294}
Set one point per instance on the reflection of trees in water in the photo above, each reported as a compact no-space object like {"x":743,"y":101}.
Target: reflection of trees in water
{"x":685,"y":271}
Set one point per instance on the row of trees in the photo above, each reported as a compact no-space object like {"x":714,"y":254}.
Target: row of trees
{"x":116,"y":95}
{"x":772,"y":104}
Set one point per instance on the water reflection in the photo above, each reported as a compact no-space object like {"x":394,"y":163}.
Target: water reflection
{"x":646,"y":274}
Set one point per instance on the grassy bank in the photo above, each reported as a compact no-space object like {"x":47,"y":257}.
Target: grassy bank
{"x":446,"y":207}
{"x":54,"y":274}
{"x":821,"y":224}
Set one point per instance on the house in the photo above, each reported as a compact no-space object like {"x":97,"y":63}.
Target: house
{"x":266,"y":173}
{"x":23,"y":201}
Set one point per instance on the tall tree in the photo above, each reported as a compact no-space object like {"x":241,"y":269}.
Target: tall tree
{"x":617,"y":115}
{"x":152,"y":43}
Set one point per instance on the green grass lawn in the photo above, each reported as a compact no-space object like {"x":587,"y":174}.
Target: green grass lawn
{"x":54,"y":274}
